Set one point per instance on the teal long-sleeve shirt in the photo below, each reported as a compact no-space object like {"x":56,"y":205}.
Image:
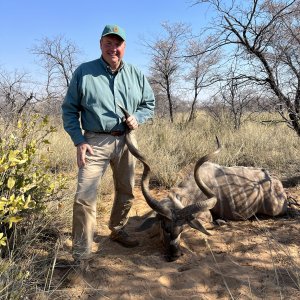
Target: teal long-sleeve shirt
{"x":94,"y":92}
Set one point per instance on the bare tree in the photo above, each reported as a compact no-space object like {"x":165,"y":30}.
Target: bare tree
{"x":239,"y":98}
{"x":59,"y":58}
{"x":235,"y":99}
{"x":264,"y":35}
{"x":166,"y":60}
{"x":161,"y":103}
{"x":16,"y":95}
{"x":201,"y":64}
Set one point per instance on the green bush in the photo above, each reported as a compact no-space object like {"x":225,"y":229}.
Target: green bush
{"x":26,"y":180}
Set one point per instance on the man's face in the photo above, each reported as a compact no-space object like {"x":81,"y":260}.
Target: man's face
{"x":113,"y":48}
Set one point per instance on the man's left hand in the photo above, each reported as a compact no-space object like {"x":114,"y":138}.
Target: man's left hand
{"x":132,"y":122}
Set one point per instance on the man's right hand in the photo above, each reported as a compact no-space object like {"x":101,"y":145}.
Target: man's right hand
{"x":82,"y":149}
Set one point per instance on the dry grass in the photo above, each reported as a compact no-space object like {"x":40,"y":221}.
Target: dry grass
{"x":171,"y":148}
{"x":63,"y":151}
{"x":27,"y":266}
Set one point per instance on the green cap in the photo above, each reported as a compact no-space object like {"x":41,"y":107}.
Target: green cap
{"x":114,"y":29}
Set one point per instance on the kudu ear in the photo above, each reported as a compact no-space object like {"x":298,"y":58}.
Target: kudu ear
{"x":148,"y":223}
{"x":196,"y":224}
{"x":189,"y":210}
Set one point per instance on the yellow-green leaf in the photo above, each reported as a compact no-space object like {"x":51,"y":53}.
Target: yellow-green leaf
{"x":22,"y":161}
{"x":2,"y":242}
{"x":12,"y":220}
{"x":2,"y":239}
{"x":10,"y":183}
{"x":3,"y":158}
{"x":2,"y":206}
{"x":27,"y":201}
{"x":12,"y":157}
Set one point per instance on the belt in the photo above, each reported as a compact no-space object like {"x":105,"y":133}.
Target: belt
{"x":113,"y":133}
{"x":116,"y":133}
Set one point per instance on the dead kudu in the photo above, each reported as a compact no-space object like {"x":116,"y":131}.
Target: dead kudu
{"x":230,"y":193}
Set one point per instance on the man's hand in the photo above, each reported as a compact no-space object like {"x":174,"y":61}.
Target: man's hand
{"x":132,"y":122}
{"x":82,"y":149}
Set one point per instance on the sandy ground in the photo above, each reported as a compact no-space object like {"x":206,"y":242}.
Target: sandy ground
{"x":255,"y":259}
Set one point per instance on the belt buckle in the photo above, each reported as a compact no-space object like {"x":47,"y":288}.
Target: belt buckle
{"x":116,"y":133}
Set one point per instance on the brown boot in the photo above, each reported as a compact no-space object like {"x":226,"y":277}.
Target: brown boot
{"x":124,"y":239}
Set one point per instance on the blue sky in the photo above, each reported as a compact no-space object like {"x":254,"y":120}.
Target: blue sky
{"x":24,"y":22}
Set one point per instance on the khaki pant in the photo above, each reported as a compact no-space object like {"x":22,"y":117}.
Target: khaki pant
{"x":111,"y":150}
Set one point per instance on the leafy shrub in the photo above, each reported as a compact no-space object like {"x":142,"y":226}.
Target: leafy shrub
{"x":26,"y":181}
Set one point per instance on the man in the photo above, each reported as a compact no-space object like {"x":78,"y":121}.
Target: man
{"x":92,"y":97}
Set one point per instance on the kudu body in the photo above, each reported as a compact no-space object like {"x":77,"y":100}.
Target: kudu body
{"x":230,"y":193}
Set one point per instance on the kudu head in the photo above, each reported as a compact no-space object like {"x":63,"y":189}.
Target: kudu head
{"x":170,"y":214}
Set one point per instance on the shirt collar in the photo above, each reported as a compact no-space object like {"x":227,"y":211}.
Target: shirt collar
{"x":108,"y":68}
